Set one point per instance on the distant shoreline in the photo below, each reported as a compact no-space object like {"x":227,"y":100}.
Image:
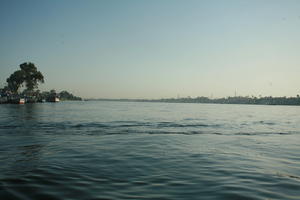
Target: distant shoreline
{"x":292,"y":101}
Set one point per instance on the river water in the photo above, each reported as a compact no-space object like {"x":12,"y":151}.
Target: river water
{"x":135,"y":150}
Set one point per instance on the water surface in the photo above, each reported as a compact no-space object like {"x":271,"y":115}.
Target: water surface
{"x":130,"y":150}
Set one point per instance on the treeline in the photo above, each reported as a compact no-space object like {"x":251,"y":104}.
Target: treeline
{"x":37,"y":96}
{"x":228,"y":100}
{"x":63,"y":96}
{"x":234,"y":100}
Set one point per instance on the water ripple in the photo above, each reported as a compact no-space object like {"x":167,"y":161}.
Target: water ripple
{"x":115,"y":150}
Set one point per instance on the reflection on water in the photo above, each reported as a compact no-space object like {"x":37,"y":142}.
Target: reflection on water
{"x":119,"y":150}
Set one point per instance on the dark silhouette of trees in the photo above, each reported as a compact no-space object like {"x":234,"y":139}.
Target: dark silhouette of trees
{"x":64,"y":95}
{"x":32,"y":77}
{"x":28,"y":75}
{"x":15,"y":81}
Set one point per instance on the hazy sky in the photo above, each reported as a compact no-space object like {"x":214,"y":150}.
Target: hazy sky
{"x":155,"y":48}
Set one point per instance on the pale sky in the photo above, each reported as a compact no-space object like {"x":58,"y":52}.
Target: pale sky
{"x":155,"y":48}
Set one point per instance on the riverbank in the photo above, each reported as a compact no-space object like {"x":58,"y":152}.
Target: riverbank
{"x":5,"y":100}
{"x":37,"y":97}
{"x":228,"y":100}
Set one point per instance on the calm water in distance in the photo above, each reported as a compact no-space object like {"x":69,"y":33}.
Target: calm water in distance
{"x":131,"y":150}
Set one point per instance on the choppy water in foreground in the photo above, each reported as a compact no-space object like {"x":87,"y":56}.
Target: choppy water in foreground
{"x":127,"y":150}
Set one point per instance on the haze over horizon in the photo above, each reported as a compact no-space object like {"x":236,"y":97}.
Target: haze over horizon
{"x":155,"y":49}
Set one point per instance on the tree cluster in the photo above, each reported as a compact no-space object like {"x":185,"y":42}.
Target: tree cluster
{"x":27,"y":76}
